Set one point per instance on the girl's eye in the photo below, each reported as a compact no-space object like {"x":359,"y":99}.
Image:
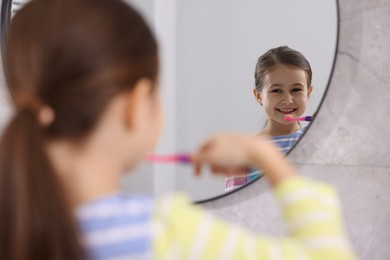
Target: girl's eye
{"x":276,"y":91}
{"x":297,"y":90}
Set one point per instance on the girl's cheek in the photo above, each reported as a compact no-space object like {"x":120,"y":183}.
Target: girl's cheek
{"x":302,"y":97}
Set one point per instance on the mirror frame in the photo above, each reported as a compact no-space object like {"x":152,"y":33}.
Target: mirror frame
{"x":5,"y":19}
{"x":4,"y":23}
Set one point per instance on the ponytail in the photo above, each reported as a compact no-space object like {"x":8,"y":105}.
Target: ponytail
{"x":102,"y":49}
{"x":36,"y":222}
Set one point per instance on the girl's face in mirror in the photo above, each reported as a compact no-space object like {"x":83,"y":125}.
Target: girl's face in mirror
{"x":285,"y":92}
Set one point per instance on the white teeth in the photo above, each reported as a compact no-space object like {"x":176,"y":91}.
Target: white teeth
{"x":286,"y":110}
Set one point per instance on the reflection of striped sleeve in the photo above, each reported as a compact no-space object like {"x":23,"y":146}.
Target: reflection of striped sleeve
{"x":234,"y":182}
{"x":311,"y":212}
{"x":284,"y":142}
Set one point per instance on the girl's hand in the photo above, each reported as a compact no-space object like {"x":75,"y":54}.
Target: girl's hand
{"x":226,"y":154}
{"x":232,"y":154}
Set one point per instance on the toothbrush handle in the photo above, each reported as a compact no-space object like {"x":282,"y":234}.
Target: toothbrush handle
{"x":183,"y":158}
{"x":179,"y":158}
{"x":304,"y":118}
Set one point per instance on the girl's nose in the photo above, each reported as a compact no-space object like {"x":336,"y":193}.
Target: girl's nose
{"x":287,"y":99}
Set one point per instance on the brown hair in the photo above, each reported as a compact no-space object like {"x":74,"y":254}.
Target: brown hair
{"x":73,"y":56}
{"x":280,"y":55}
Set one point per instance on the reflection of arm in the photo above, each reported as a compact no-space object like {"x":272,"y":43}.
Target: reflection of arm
{"x":310,"y":210}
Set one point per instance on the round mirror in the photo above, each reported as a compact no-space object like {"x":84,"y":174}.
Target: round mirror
{"x":209,"y":51}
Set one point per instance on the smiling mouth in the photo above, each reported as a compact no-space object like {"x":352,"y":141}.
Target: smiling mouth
{"x":286,"y":111}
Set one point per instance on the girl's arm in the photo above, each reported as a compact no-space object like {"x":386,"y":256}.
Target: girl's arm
{"x":310,"y":210}
{"x":311,"y":214}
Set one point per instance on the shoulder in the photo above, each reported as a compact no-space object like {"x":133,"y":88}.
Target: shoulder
{"x":301,"y":131}
{"x":176,"y":213}
{"x":117,"y":226}
{"x":115,"y":205}
{"x":172,"y":204}
{"x":182,"y":229}
{"x":286,"y":142}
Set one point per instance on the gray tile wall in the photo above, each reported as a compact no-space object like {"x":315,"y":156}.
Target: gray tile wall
{"x":347,"y":144}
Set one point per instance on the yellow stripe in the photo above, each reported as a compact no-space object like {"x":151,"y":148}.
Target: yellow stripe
{"x":183,"y":231}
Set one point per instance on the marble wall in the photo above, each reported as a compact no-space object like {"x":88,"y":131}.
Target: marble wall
{"x":347,"y":144}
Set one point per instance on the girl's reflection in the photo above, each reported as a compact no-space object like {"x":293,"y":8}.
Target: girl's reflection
{"x":282,"y":87}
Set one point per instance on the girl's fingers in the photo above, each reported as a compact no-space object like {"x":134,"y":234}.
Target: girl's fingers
{"x":215,"y":169}
{"x":226,"y":154}
{"x":218,"y":170}
{"x":228,"y":172}
{"x":197,"y":168}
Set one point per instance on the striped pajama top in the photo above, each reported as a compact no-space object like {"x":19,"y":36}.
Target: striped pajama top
{"x":284,"y":142}
{"x":137,"y":227}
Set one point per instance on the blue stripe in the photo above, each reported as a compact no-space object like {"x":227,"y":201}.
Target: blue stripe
{"x":128,"y":246}
{"x":125,"y":247}
{"x":123,"y":220}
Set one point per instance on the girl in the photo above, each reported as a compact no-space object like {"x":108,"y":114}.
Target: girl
{"x":282,"y":87}
{"x":82,"y":76}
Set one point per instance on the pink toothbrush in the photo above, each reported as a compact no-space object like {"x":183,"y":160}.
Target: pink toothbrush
{"x":291,"y":118}
{"x":180,"y":158}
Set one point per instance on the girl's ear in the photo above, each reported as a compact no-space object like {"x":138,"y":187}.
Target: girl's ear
{"x":257,"y":96}
{"x":309,"y":90}
{"x":137,"y":102}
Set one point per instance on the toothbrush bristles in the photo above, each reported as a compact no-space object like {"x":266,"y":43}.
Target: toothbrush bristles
{"x":291,"y":118}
